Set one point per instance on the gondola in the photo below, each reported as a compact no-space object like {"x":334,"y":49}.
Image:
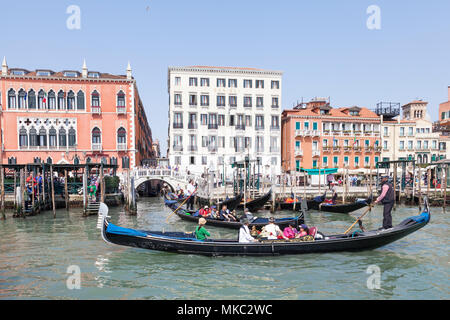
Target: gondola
{"x":257,"y":203}
{"x":179,"y":242}
{"x":257,"y":222}
{"x":341,"y":208}
{"x":230,"y":203}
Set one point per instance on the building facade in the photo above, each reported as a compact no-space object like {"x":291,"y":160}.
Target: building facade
{"x":411,"y":136}
{"x":72,"y":117}
{"x":316,"y":135}
{"x":219,"y":115}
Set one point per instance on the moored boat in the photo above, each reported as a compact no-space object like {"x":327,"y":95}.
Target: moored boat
{"x":231,"y":203}
{"x":180,"y":242}
{"x":257,"y":203}
{"x":341,"y":208}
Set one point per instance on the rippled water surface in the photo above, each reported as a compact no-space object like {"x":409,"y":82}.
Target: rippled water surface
{"x":36,"y":252}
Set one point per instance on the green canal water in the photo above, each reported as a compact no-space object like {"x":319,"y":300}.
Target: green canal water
{"x":36,"y":254}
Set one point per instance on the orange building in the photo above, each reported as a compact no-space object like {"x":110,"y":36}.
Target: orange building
{"x":72,"y":117}
{"x":315,"y":135}
{"x":444,"y":115}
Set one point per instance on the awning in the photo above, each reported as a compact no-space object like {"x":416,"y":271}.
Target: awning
{"x":314,"y":172}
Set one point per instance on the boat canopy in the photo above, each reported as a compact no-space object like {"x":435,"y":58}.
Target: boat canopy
{"x":314,"y":172}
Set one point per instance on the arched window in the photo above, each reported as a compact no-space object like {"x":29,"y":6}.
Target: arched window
{"x":80,"y":100}
{"x":52,"y":141}
{"x":11,"y":99}
{"x":113,"y":160}
{"x":72,"y":137}
{"x":22,"y":99}
{"x":42,"y":137}
{"x":51,"y":100}
{"x":62,"y":138}
{"x":12,"y":160}
{"x":88,"y":159}
{"x":70,"y":100}
{"x":61,"y":100}
{"x":23,"y":138}
{"x":96,"y":135}
{"x":425,"y":158}
{"x":95,"y":99}
{"x":49,"y":160}
{"x":42,"y":100}
{"x":121,"y":135}
{"x":31,"y":99}
{"x":121,"y":99}
{"x":33,"y":138}
{"x":76,"y":160}
{"x":104,"y":160}
{"x":419,"y":158}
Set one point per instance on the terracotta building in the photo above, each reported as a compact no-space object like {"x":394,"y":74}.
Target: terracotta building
{"x":72,"y":117}
{"x":316,"y":135}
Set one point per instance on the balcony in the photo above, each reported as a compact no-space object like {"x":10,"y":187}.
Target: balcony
{"x":96,"y":110}
{"x":377,"y":149}
{"x":192,"y":148}
{"x":326,"y":131}
{"x":258,"y":128}
{"x":347,"y":149}
{"x":213,"y":126}
{"x":121,"y":146}
{"x":336,"y":149}
{"x":212,"y":149}
{"x":298,"y":153}
{"x":274,"y":128}
{"x":177,"y":125}
{"x":316,"y":153}
{"x":121,"y":110}
{"x":368,"y":149}
{"x":346,"y":132}
{"x":357,"y":149}
{"x":326,"y":148}
{"x":96,"y":147}
{"x":240,"y":127}
{"x":192,"y":125}
{"x":357,"y":132}
{"x":177,"y":148}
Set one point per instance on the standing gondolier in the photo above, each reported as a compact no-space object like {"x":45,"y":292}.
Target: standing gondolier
{"x":387,"y":199}
{"x":190,"y":193}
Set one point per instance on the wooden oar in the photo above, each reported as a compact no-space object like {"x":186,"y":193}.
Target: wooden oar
{"x":181,"y":205}
{"x":357,"y":220}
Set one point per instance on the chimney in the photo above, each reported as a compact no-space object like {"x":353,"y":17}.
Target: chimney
{"x":129,"y":71}
{"x":4,"y":67}
{"x":85,"y":70}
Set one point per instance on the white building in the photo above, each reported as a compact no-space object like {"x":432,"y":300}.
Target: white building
{"x":219,"y":115}
{"x":412,"y":137}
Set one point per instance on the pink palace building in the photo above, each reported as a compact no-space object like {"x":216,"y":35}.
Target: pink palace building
{"x":72,"y":117}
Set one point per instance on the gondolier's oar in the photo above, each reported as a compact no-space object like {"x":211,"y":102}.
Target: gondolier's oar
{"x":357,"y":220}
{"x":181,"y":205}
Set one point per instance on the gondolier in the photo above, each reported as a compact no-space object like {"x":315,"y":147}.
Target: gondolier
{"x":190,"y":190}
{"x":387,"y":199}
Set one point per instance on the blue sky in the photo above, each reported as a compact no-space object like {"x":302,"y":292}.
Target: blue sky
{"x":323,"y":47}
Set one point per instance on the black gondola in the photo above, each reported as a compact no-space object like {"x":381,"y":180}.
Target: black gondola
{"x":341,"y":208}
{"x":257,"y":203}
{"x":180,"y":242}
{"x":257,"y":222}
{"x":230,"y":203}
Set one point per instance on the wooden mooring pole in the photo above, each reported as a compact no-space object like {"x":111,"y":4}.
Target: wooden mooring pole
{"x":53,"y":191}
{"x":66,"y":189}
{"x":2,"y":177}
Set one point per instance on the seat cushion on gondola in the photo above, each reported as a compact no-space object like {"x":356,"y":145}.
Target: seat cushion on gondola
{"x":124,"y":231}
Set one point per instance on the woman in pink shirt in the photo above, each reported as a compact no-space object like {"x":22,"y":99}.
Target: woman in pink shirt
{"x":290,"y":232}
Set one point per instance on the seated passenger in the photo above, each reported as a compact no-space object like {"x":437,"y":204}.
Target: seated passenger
{"x":213,"y":213}
{"x":290,"y":232}
{"x":255,"y":232}
{"x":200,"y":232}
{"x":304,"y":231}
{"x":272,"y":230}
{"x":225,"y":214}
{"x":204,"y":212}
{"x":244,"y":233}
{"x":233,"y":214}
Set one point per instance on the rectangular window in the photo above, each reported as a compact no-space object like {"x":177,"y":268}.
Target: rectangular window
{"x":259,"y":84}
{"x":356,"y":161}
{"x":297,"y":126}
{"x":221,"y":101}
{"x":177,"y":99}
{"x":248,"y":102}
{"x":232,"y":83}
{"x":315,"y":126}
{"x":248,"y":83}
{"x":204,"y":119}
{"x":204,"y":82}
{"x":259,"y":122}
{"x":221,"y":119}
{"x":335,"y":161}
{"x":178,"y":120}
{"x":325,"y":161}
{"x":275,"y":124}
{"x":297,"y":165}
{"x":248,"y":121}
{"x":193,"y":82}
{"x":204,"y":100}
{"x":232,"y":100}
{"x":275,"y":102}
{"x":231,"y":120}
{"x":221,"y":83}
{"x":259,"y":102}
{"x":275,"y":84}
{"x":177,"y":81}
{"x":192,"y":99}
{"x":204,"y":160}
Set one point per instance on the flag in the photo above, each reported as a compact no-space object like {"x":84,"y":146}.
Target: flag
{"x":25,"y":96}
{"x":44,"y":100}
